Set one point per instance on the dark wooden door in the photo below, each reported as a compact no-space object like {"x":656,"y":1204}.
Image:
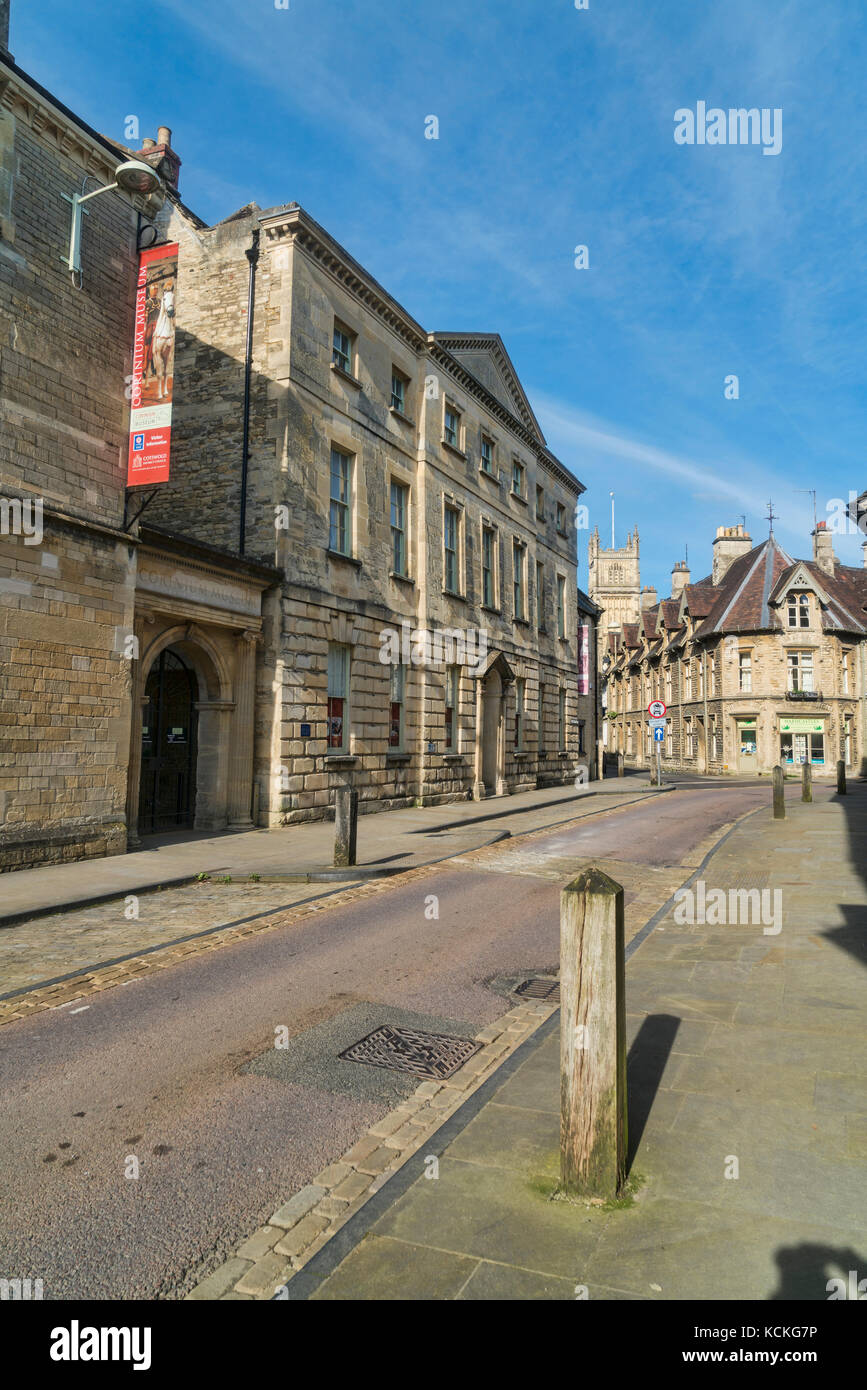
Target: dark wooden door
{"x":167,"y":798}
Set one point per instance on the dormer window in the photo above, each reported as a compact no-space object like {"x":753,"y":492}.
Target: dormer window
{"x":799,"y":610}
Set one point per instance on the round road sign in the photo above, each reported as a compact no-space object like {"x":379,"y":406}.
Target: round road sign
{"x":656,"y":709}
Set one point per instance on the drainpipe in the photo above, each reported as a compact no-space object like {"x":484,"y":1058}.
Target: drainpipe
{"x":252,"y":254}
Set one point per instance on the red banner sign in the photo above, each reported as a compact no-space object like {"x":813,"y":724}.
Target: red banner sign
{"x":153,"y":362}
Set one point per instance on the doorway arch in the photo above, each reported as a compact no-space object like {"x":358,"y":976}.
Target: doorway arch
{"x":169,"y":751}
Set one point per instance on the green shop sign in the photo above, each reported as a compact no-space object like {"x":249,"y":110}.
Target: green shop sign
{"x":802,"y":726}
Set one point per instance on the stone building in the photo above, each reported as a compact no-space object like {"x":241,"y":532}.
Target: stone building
{"x":763,"y":661}
{"x":364,"y":564}
{"x":588,"y":704}
{"x":426,"y":644}
{"x":98,"y":618}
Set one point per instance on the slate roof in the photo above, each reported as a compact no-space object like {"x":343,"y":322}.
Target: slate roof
{"x":745,"y":601}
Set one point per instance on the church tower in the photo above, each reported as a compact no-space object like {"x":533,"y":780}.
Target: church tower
{"x":614,"y":584}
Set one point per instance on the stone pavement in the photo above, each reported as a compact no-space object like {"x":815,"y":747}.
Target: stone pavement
{"x":388,"y":842}
{"x":747,"y":1104}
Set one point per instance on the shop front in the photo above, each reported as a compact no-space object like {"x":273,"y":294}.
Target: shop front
{"x":803,"y":741}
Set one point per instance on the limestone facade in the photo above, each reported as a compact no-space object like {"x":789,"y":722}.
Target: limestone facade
{"x":80,"y":627}
{"x":763,"y":662}
{"x":401,"y":482}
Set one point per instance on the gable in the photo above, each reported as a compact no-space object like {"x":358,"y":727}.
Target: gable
{"x":485,"y":356}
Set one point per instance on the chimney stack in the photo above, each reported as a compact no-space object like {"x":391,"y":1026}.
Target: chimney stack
{"x":823,"y":548}
{"x":160,"y":156}
{"x":730,"y":544}
{"x":4,"y":29}
{"x":648,"y":597}
{"x":864,"y":555}
{"x":680,"y":577}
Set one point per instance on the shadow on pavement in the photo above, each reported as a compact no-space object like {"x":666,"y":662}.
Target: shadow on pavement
{"x":805,"y":1272}
{"x":645,"y":1065}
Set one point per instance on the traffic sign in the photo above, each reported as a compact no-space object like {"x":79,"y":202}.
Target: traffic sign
{"x":656,"y":709}
{"x":656,"y":724}
{"x":658,"y":735}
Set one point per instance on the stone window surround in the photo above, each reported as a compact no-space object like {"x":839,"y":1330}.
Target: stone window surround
{"x":455,"y":504}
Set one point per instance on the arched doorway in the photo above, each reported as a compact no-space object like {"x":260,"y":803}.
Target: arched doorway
{"x":167,"y":796}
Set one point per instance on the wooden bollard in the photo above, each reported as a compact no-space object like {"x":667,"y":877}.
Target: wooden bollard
{"x":345,"y":826}
{"x":806,"y":782}
{"x":620,"y":768}
{"x":592,"y":1036}
{"x":841,"y":777}
{"x":779,"y":798}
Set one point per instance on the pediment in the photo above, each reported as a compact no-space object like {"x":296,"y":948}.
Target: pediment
{"x":485,"y":356}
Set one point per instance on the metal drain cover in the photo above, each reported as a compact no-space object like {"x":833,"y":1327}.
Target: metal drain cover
{"x":432,"y":1056}
{"x":539,"y":989}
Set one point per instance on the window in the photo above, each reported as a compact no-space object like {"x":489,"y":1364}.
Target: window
{"x":713,"y":676}
{"x":540,"y":596}
{"x":338,"y":698}
{"x":668,"y":684}
{"x":561,"y":518}
{"x":395,"y":708}
{"x":451,"y":532}
{"x":341,"y":352}
{"x":520,"y":687}
{"x":845,"y":673}
{"x":847,"y":740}
{"x":799,"y":610}
{"x":452,"y":427}
{"x":561,"y":606}
{"x":399,"y":506}
{"x":540,"y":503}
{"x":800,"y":668}
{"x":452,"y":690}
{"x":699,"y":666}
{"x":561,"y":720}
{"x":541,"y":730}
{"x":518,"y":578}
{"x":487,"y":455}
{"x":745,"y":672}
{"x":581,"y":727}
{"x":690,"y":739}
{"x":340,"y":531}
{"x":489,"y":592}
{"x":517,"y":477}
{"x":687,"y":678}
{"x":398,"y":391}
{"x":802,"y":748}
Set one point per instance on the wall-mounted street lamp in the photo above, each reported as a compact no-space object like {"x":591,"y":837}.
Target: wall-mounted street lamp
{"x":133,"y":176}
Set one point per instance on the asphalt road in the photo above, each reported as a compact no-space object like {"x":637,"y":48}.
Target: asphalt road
{"x":155,"y":1071}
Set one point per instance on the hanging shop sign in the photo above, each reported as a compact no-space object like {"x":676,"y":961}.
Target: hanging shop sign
{"x":153,"y":363}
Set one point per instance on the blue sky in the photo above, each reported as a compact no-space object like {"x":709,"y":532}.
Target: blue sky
{"x":555,"y":129}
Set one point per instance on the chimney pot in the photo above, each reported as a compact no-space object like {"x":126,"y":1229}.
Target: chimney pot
{"x":164,"y":135}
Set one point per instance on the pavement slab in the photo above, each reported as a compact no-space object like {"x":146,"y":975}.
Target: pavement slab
{"x":747,"y":1112}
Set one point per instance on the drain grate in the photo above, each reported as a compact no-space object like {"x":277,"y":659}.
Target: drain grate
{"x":539,"y":989}
{"x":432,"y":1056}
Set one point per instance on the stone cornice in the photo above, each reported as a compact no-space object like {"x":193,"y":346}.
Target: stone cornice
{"x":292,"y":224}
{"x":59,"y":127}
